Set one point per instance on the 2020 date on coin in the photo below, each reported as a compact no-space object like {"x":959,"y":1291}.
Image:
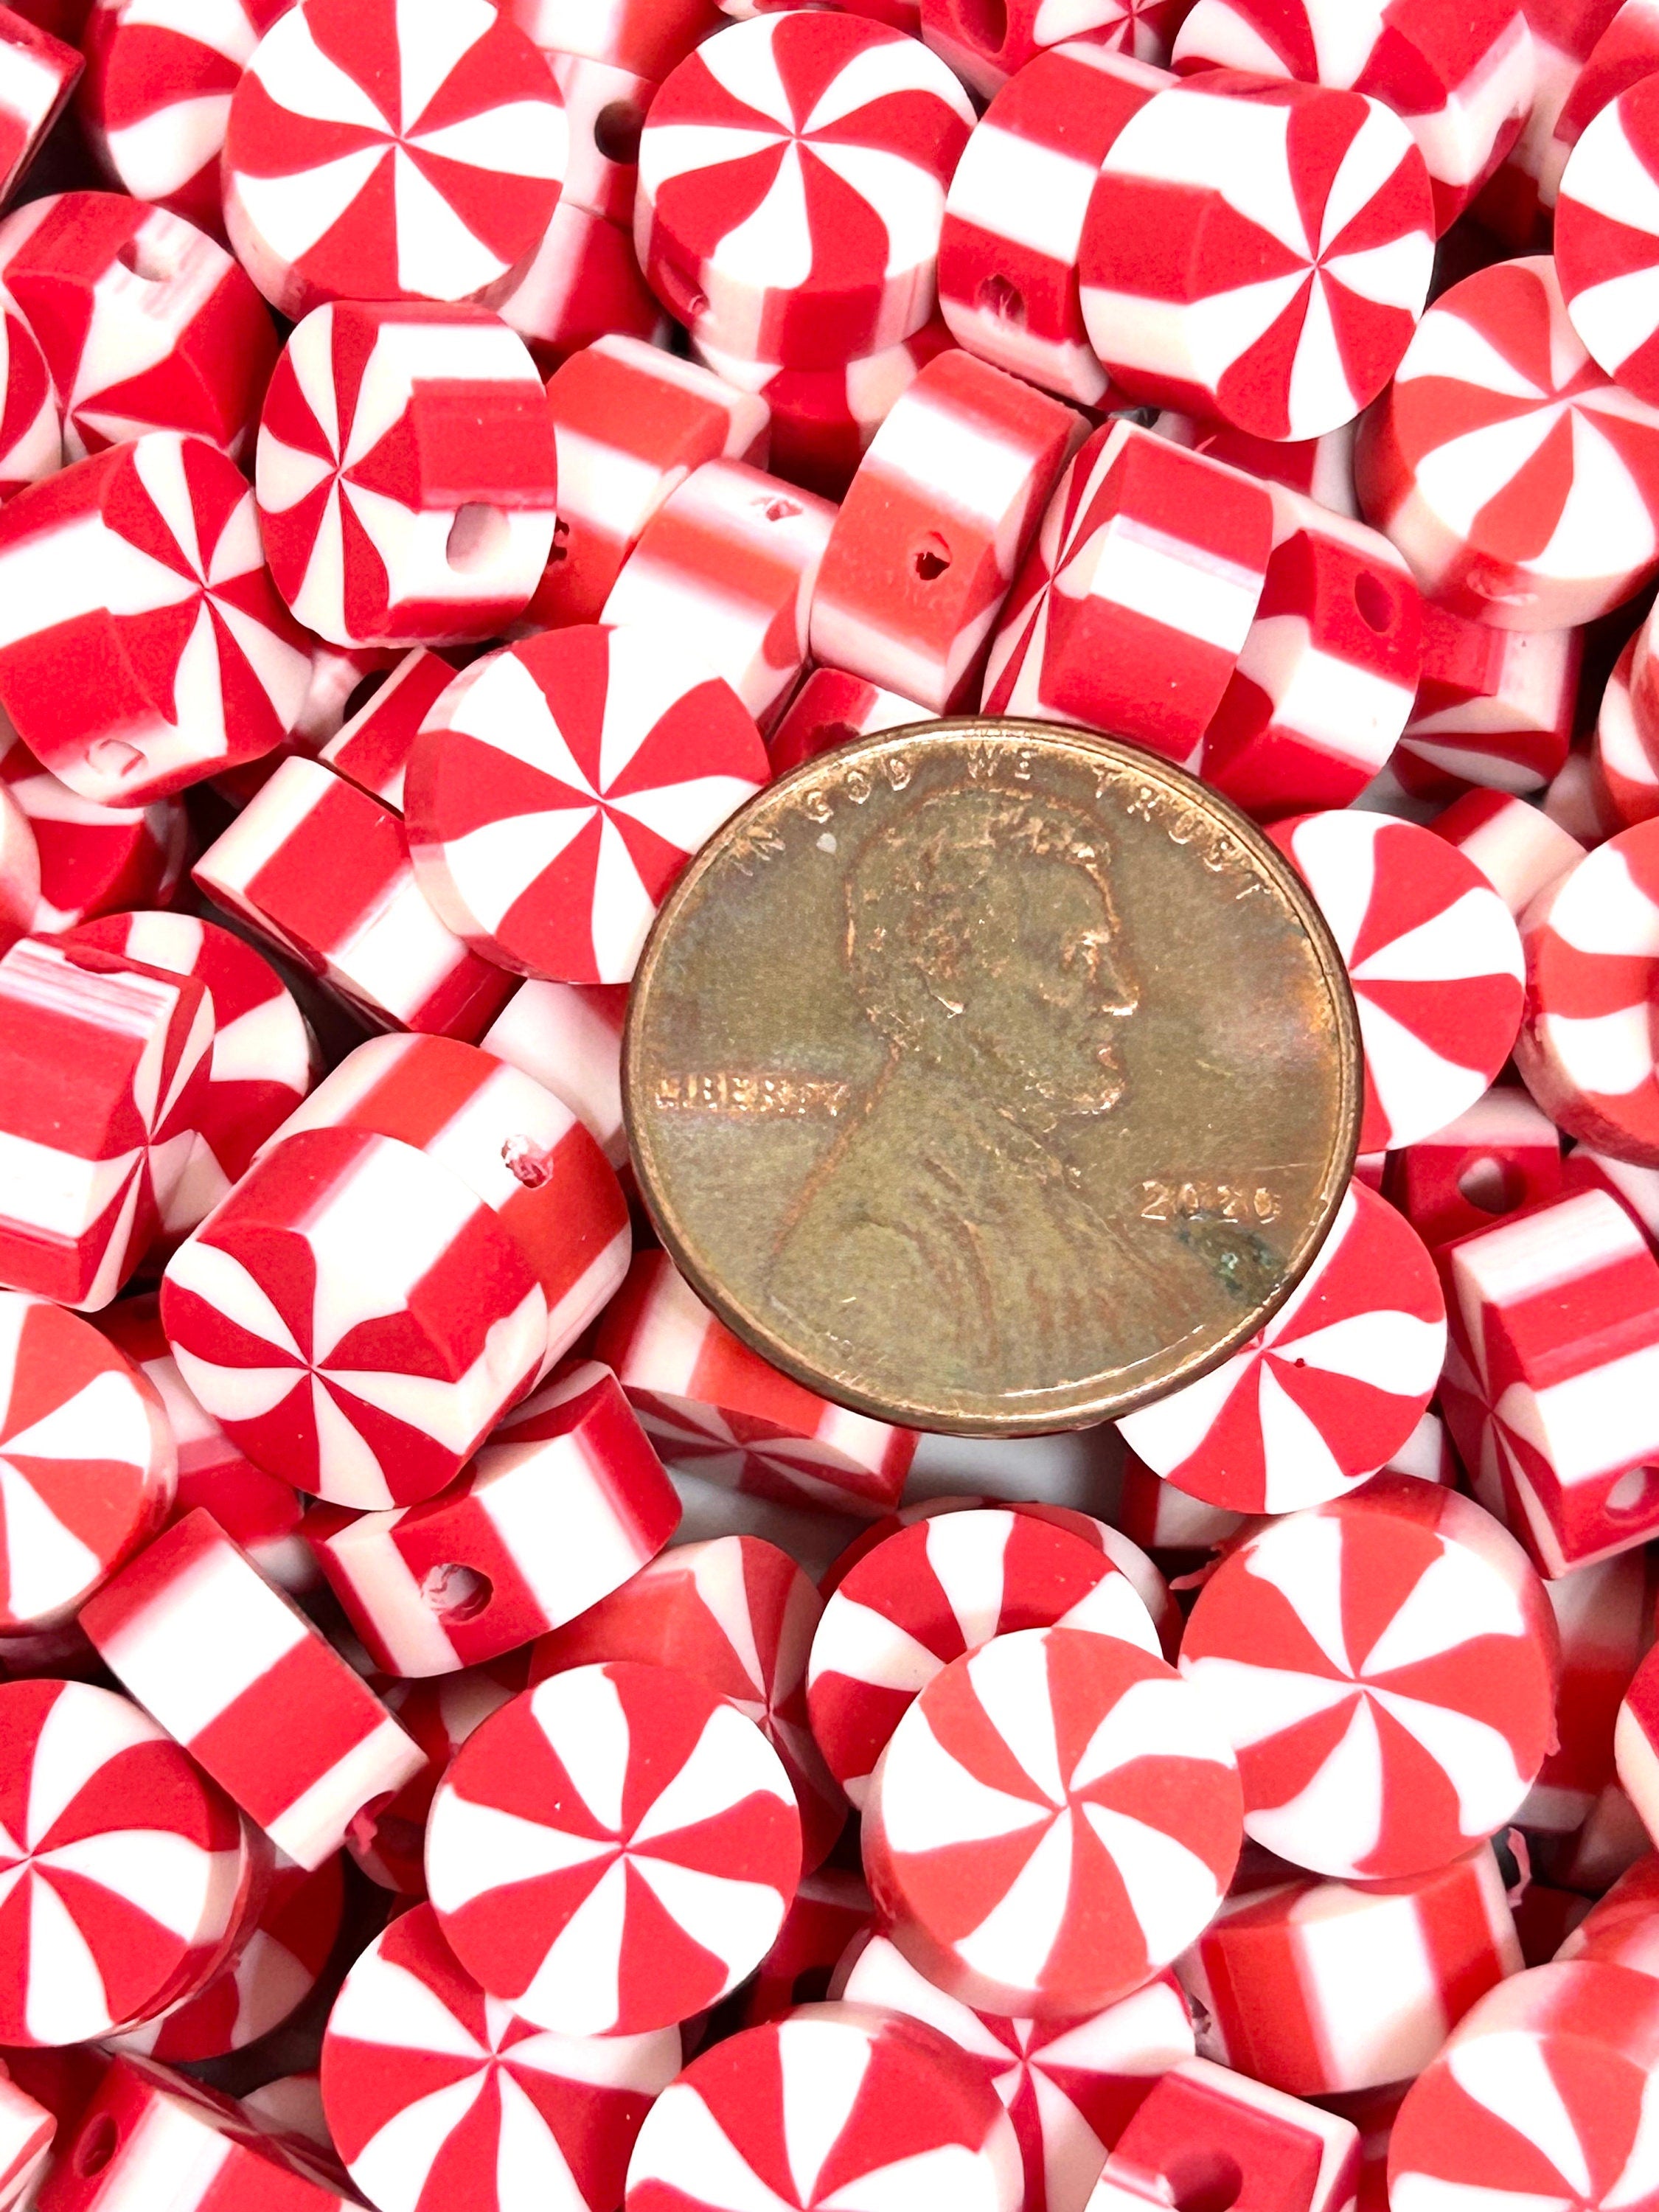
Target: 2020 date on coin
{"x":992,"y":1077}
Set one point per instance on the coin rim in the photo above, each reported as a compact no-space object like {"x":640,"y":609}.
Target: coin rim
{"x":1087,"y":1409}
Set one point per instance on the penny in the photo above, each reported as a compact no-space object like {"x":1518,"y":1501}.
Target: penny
{"x":991,"y":1077}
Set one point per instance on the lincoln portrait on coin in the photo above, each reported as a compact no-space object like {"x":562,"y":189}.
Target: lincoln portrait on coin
{"x":983,"y":944}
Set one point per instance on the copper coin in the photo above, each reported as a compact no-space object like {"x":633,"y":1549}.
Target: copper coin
{"x":992,"y":1077}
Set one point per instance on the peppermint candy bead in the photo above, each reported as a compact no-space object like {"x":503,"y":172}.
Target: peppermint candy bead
{"x":930,"y":1592}
{"x":405,"y":472}
{"x":1274,"y":1973}
{"x":840,"y":2104}
{"x":1295,"y":324}
{"x":272,"y":1976}
{"x":1203,"y":2127}
{"x":831,"y":708}
{"x":1326,"y":1392}
{"x":605,"y":111}
{"x":1069,"y":2086}
{"x":1625,"y":773}
{"x":322,"y":872}
{"x":355,"y":1318}
{"x":1493,"y":706}
{"x":1433,"y":957}
{"x":1054,"y":1819}
{"x":88,"y":1463}
{"x":728,"y":569}
{"x":987,"y":50}
{"x":631,"y":423}
{"x":1124,"y":1554}
{"x":38,"y":73}
{"x":646,"y":37}
{"x":371,"y":748}
{"x":438,"y":1714}
{"x":151,"y":2132}
{"x":126,"y":1872}
{"x":1520,"y":482}
{"x":1555,"y":1334}
{"x":1137,"y":597}
{"x":259,"y":1065}
{"x":824,"y":419}
{"x":582,"y":283}
{"x":566,"y":1501}
{"x":374,"y":153}
{"x":432,"y":2088}
{"x":569,"y":1036}
{"x":156,"y":95}
{"x":518,"y":1147}
{"x":1626,"y":49}
{"x":26,"y":2132}
{"x":1606,"y":247}
{"x":192,"y":1627}
{"x":712,"y":1405}
{"x":740,"y":1615}
{"x":1014,"y":214}
{"x":92,"y":1158}
{"x":1517,"y":849}
{"x":792,"y":175}
{"x":637,"y":757}
{"x":1536,"y":2097}
{"x":143,"y":647}
{"x":1501,"y":1155}
{"x":1585,"y":1050}
{"x":1463,"y":87}
{"x":1623,"y":1926}
{"x":934,"y":527}
{"x":1601,"y":1613}
{"x":92,"y":859}
{"x":1326,"y":681}
{"x":1385,"y":1667}
{"x":146,"y":324}
{"x":614,"y":1851}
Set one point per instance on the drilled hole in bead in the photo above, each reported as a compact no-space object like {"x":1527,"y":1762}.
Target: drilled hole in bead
{"x":96,"y":2147}
{"x":140,"y":257}
{"x":686,"y":301}
{"x":983,"y":24}
{"x":1374,"y":600}
{"x":392,"y":1837}
{"x":526,"y":1162}
{"x":931,"y":558}
{"x":560,"y":548}
{"x":1633,"y":1493}
{"x":113,"y":757}
{"x":997,"y":297}
{"x":616,"y":130}
{"x":477,"y":539}
{"x":457,"y":1594}
{"x":1205,"y":2180}
{"x":778,"y":509}
{"x":361,"y":694}
{"x":1492,"y":1185}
